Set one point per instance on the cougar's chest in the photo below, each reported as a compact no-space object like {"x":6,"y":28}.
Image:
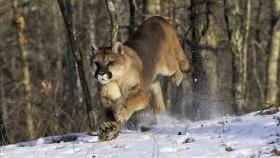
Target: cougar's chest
{"x":128,"y":82}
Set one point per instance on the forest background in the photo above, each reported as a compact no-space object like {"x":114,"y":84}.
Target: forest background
{"x":233,"y":44}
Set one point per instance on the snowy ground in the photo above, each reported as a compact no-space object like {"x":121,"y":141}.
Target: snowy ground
{"x":248,"y":136}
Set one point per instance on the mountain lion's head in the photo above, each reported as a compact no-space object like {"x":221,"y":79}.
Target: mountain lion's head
{"x":108,"y":63}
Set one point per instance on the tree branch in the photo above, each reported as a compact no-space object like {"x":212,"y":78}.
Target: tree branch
{"x":113,"y":17}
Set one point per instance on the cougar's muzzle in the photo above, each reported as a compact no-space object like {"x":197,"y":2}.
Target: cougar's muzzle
{"x":102,"y":74}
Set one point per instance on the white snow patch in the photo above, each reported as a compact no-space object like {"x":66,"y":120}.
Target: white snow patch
{"x":228,"y":137}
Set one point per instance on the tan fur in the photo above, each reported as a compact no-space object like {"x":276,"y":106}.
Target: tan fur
{"x":157,"y":97}
{"x":153,"y":50}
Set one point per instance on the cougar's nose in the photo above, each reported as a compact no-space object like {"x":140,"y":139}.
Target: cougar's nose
{"x":101,"y":73}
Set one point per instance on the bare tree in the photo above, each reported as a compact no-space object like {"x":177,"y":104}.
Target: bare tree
{"x":272,"y":87}
{"x":70,"y":63}
{"x":208,"y":34}
{"x":113,"y":17}
{"x":20,"y":25}
{"x":3,"y":138}
{"x":79,"y":60}
{"x":239,"y":47}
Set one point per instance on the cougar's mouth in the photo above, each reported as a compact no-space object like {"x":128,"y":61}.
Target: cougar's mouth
{"x":103,"y":79}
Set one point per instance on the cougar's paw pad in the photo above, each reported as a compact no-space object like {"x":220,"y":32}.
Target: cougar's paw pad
{"x":107,"y":127}
{"x":108,"y":130}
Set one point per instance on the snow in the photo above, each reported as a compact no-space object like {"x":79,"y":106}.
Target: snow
{"x":248,"y":136}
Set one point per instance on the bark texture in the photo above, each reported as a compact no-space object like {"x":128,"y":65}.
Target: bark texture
{"x":272,"y":87}
{"x":114,"y":20}
{"x":238,"y":30}
{"x":208,"y":36}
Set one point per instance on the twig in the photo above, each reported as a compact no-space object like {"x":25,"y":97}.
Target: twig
{"x":155,"y":146}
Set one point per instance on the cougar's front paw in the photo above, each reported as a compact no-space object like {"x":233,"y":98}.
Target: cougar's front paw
{"x":122,"y":113}
{"x":108,"y":130}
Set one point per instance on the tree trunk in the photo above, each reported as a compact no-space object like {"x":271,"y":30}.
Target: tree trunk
{"x":76,"y":51}
{"x":3,"y":138}
{"x":132,"y":5}
{"x":209,"y":43}
{"x":239,"y":47}
{"x":92,"y":17}
{"x":71,"y":68}
{"x":272,"y":87}
{"x":20,"y":25}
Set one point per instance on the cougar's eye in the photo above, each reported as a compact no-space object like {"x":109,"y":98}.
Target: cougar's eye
{"x":110,"y":63}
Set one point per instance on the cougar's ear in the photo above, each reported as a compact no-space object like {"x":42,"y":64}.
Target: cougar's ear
{"x":118,"y":48}
{"x":93,"y":50}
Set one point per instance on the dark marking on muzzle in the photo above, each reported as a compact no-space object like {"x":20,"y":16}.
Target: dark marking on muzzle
{"x":102,"y":70}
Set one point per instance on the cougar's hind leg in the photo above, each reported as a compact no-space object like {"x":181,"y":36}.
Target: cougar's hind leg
{"x":157,"y":97}
{"x":181,"y":57}
{"x":171,"y":68}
